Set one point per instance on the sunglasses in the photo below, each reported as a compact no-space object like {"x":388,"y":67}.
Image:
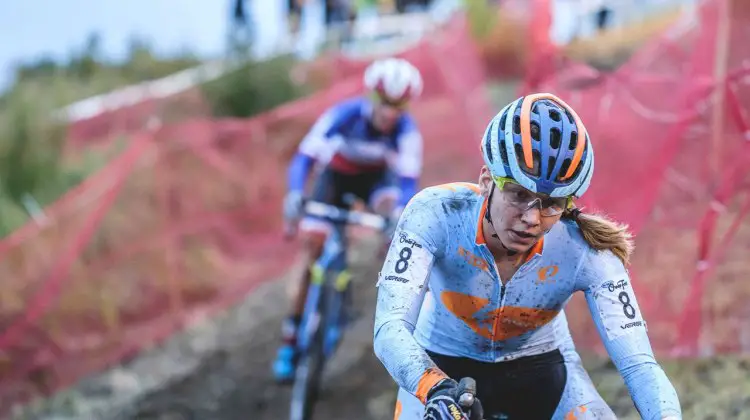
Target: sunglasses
{"x":523,"y":199}
{"x":399,"y":105}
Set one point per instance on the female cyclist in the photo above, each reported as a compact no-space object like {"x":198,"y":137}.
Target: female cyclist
{"x":477,"y":277}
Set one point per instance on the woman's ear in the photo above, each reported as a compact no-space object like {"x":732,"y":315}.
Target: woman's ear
{"x":485,"y":181}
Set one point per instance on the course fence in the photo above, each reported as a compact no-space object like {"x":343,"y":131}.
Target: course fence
{"x":671,"y":129}
{"x":187,"y":220}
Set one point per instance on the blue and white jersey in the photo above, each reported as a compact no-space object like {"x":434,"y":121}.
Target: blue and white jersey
{"x":344,"y":139}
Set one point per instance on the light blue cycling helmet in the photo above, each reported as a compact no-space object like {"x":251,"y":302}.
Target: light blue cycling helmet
{"x":540,"y":142}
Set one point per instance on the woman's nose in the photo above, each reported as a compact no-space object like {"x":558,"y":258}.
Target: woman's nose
{"x":532,"y":216}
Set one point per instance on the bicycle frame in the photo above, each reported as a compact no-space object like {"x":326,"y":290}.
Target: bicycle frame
{"x":331,"y":263}
{"x":322,"y":319}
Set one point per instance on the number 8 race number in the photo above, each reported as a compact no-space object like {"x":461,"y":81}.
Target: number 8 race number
{"x":627,"y":308}
{"x":403,"y":262}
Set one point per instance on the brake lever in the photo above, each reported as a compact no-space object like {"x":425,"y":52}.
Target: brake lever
{"x":466,"y":399}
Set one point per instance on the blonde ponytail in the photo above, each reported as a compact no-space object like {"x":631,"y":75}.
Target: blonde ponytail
{"x":603,"y":233}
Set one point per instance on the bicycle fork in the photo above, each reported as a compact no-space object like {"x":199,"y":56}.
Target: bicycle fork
{"x":337,"y":313}
{"x":330,"y":314}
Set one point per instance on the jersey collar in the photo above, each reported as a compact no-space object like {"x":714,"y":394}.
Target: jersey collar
{"x":479,"y":238}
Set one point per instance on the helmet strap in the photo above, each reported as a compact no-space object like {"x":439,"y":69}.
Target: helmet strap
{"x":487,"y":210}
{"x":489,"y":220}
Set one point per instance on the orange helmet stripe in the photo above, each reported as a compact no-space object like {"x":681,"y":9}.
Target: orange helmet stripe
{"x":528,"y":101}
{"x":526,"y":128}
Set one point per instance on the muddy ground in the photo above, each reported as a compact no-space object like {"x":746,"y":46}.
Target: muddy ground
{"x":236,"y":383}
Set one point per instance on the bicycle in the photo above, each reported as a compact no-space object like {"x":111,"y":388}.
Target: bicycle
{"x":324,"y":314}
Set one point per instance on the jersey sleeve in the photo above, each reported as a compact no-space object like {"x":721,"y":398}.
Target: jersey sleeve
{"x":402,"y":284}
{"x":614,"y":308}
{"x":408,"y":162}
{"x":321,"y":141}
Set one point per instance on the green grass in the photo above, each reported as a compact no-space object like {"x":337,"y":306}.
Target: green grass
{"x":714,"y":388}
{"x":85,"y":72}
{"x":70,"y":172}
{"x":34,"y":171}
{"x":33,"y":168}
{"x":482,"y":16}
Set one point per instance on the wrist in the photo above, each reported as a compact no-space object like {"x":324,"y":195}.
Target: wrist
{"x":429,"y":380}
{"x":443,"y":387}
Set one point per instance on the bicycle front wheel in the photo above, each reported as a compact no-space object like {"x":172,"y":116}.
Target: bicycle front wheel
{"x":309,"y":372}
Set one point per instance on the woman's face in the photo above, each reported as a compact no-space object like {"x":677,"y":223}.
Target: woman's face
{"x":517,"y":225}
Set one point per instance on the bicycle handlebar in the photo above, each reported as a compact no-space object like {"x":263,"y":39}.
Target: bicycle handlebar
{"x":337,"y":214}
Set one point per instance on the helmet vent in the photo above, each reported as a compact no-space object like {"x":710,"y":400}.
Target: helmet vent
{"x":502,"y":121}
{"x":573,"y":140}
{"x":535,"y":130}
{"x":488,"y":149}
{"x":517,"y":124}
{"x":554,"y":115}
{"x":578,"y":170}
{"x":564,"y":169}
{"x":536,"y":157}
{"x":503,"y":154}
{"x":519,"y":156}
{"x":550,"y":166}
{"x":570,"y":117}
{"x":555,"y":138}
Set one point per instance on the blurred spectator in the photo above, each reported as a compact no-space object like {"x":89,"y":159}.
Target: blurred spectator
{"x":406,"y":6}
{"x":338,"y":11}
{"x":294,"y":10}
{"x":240,"y":31}
{"x":602,"y":17}
{"x":339,"y":18}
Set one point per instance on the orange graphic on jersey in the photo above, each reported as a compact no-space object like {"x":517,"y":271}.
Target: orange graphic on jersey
{"x":492,"y":323}
{"x":399,"y":407}
{"x":581,"y":409}
{"x":472,"y":259}
{"x":546,"y":273}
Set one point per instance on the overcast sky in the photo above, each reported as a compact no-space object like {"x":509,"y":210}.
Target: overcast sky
{"x":29,"y":29}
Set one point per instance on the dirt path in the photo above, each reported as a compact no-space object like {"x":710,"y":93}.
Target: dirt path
{"x":236,"y":383}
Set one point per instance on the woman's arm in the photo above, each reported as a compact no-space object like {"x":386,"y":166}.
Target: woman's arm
{"x":621,"y":326}
{"x":402,"y":284}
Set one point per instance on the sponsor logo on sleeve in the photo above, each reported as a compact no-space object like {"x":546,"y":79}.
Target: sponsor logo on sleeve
{"x":396,"y":278}
{"x":612,"y":286}
{"x":405,"y":239}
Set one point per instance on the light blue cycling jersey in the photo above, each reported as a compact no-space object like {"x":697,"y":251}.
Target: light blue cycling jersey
{"x":439,"y":291}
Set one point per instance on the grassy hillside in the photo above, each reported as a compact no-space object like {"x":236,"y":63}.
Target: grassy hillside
{"x":34,"y":171}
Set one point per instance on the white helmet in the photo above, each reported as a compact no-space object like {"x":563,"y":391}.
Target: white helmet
{"x":395,"y":80}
